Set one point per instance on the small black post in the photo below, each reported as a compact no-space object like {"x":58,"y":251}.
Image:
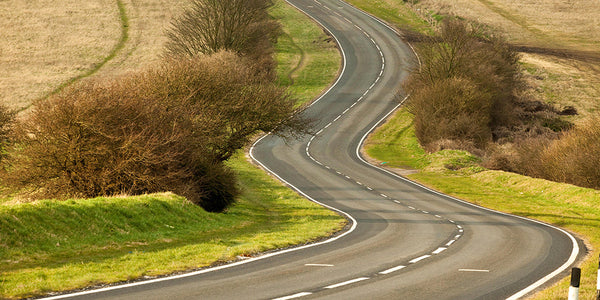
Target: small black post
{"x":598,"y":282}
{"x":574,"y":288}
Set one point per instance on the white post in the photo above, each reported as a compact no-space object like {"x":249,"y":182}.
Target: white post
{"x":574,"y":288}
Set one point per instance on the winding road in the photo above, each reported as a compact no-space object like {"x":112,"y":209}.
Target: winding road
{"x":405,"y":242}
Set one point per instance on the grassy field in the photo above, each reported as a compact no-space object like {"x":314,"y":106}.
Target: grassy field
{"x":46,"y":46}
{"x":456,"y":173}
{"x":44,"y":247}
{"x":560,"y":80}
{"x":59,"y":245}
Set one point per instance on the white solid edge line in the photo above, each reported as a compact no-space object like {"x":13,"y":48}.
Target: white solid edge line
{"x":333,"y":286}
{"x":526,"y":290}
{"x":237,"y":263}
{"x":536,"y":284}
{"x":297,"y":295}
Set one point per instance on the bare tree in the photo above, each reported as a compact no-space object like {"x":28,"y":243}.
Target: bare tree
{"x":209,"y":26}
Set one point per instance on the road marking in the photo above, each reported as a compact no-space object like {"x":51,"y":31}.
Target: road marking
{"x":318,"y":265}
{"x":298,"y":295}
{"x":439,"y":250}
{"x":333,"y":286}
{"x":473,"y":270}
{"x":419,"y":259}
{"x":394,"y":269}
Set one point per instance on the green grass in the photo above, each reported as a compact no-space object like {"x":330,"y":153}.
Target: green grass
{"x":395,"y":12}
{"x":59,"y":245}
{"x":308,"y":59}
{"x":456,"y":173}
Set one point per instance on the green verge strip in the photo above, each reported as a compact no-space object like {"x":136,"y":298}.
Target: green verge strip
{"x":54,"y":245}
{"x":306,"y":56}
{"x":457,"y":173}
{"x":60,"y":245}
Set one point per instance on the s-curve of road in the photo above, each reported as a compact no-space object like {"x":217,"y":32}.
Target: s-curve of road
{"x":405,"y":241}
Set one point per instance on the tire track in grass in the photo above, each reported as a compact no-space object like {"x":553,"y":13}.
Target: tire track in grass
{"x":112,"y":54}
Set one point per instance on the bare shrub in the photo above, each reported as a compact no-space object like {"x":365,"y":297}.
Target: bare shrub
{"x":452,"y":109}
{"x":169,"y":128}
{"x":575,"y":158}
{"x":240,"y":26}
{"x":102,"y":139}
{"x":465,"y":87}
{"x":7,"y":120}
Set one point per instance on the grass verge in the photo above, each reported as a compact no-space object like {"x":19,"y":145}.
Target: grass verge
{"x":456,"y":173}
{"x":61,"y":245}
{"x":308,"y":59}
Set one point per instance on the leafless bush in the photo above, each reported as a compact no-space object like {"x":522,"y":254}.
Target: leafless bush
{"x":464,"y":88}
{"x":7,"y":120}
{"x":451,"y":109}
{"x":574,"y":158}
{"x":168,"y":128}
{"x":240,"y":26}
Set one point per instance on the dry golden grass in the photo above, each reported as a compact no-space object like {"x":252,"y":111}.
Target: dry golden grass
{"x":45,"y":45}
{"x":148,"y":21}
{"x":562,"y":39}
{"x":555,"y":23}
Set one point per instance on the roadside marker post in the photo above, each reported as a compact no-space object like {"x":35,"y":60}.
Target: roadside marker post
{"x":598,"y":282}
{"x":574,"y":288}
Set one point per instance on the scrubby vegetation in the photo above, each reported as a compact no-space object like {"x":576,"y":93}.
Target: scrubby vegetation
{"x":170,"y":127}
{"x":468,"y":94}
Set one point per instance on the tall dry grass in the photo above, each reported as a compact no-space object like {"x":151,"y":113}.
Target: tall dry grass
{"x":574,"y":158}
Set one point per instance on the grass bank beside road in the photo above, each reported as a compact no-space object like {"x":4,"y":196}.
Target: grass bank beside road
{"x":53,"y":245}
{"x":60,"y":245}
{"x":457,"y":173}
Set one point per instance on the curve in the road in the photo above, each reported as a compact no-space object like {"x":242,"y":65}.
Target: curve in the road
{"x":406,"y":241}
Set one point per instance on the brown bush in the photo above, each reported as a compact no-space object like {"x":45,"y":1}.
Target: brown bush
{"x":574,"y":158}
{"x":240,"y":26}
{"x":464,"y":61}
{"x":452,"y":109}
{"x":7,"y":120}
{"x":168,"y":128}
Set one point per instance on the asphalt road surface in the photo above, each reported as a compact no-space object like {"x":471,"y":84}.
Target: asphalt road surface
{"x":405,"y":242}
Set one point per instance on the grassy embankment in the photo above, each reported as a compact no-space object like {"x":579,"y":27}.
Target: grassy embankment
{"x":456,"y":172}
{"x":60,"y":245}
